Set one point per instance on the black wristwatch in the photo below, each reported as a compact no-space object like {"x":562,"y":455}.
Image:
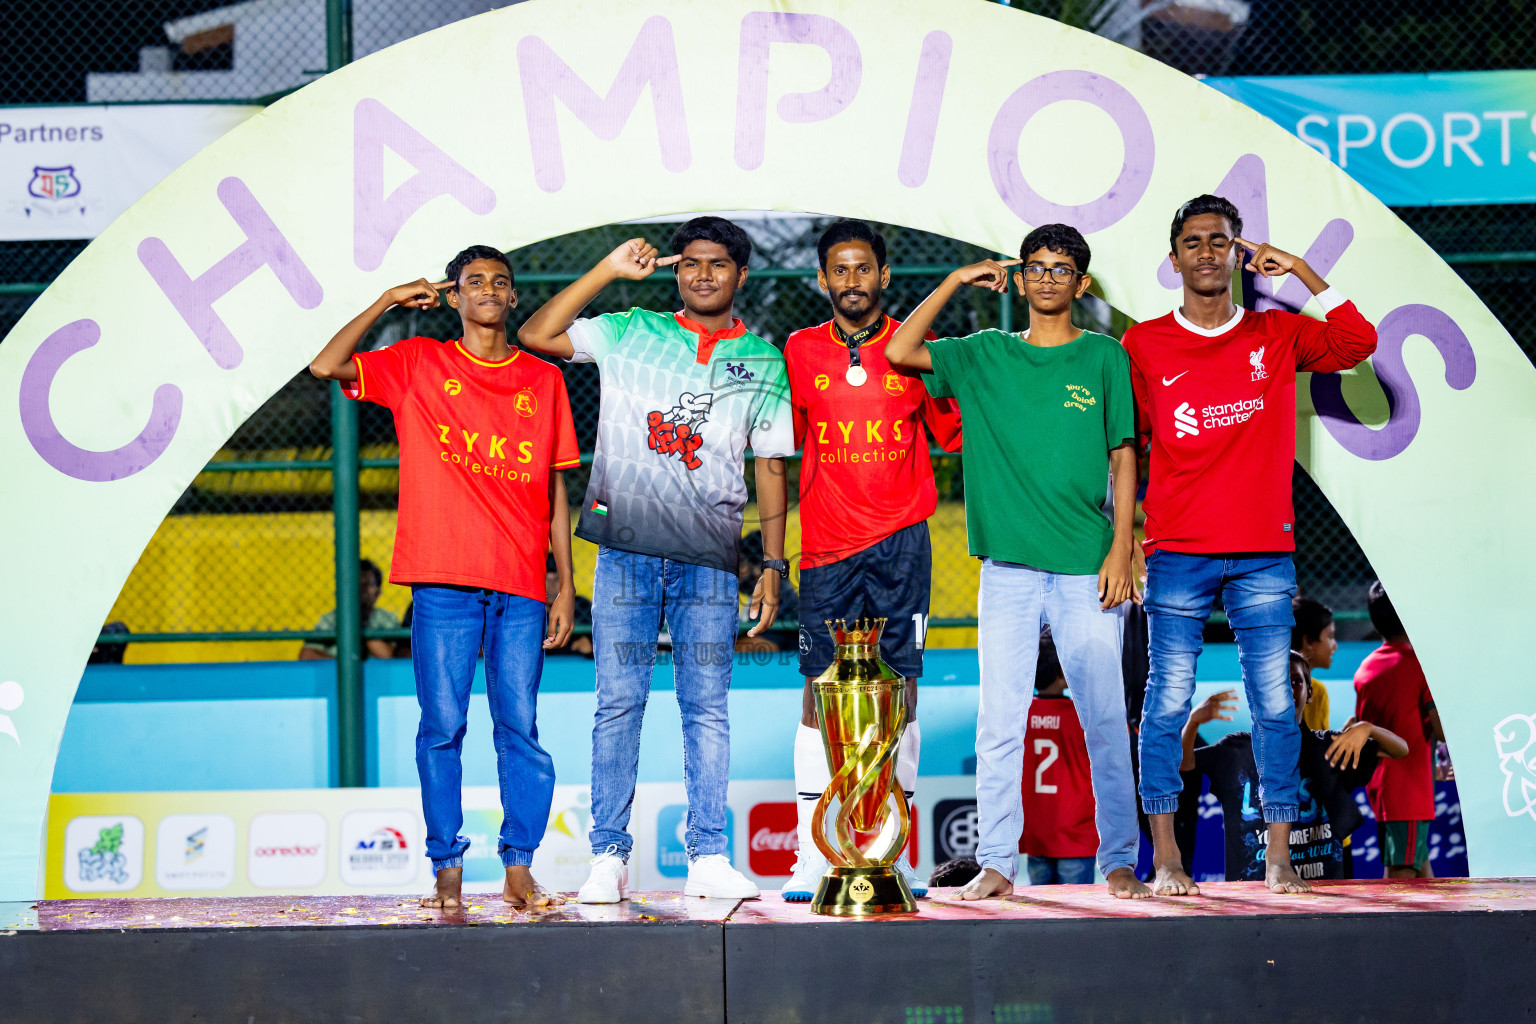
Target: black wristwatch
{"x":779,"y":565}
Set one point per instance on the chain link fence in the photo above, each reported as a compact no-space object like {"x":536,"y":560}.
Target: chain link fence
{"x":247,"y":553}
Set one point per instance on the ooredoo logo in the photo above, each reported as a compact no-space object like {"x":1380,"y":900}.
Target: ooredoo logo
{"x":287,"y":850}
{"x":772,"y":842}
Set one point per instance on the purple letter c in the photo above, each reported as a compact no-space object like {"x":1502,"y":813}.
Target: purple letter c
{"x":80,"y":463}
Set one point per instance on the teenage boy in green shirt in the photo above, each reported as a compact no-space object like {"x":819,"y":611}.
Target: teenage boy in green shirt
{"x":1050,"y":494}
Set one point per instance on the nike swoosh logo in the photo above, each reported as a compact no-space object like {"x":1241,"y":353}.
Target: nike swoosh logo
{"x":1170,"y":380}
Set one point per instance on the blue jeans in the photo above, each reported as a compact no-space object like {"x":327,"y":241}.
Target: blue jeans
{"x":450,"y":628}
{"x":631,"y":596}
{"x":1256,"y":591}
{"x":1013,"y":603}
{"x":1059,"y":870}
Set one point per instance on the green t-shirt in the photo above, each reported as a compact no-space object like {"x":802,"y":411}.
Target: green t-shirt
{"x":1039,"y":425}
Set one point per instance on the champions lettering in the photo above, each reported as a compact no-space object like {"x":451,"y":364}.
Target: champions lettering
{"x":494,"y":448}
{"x":1232,"y":412}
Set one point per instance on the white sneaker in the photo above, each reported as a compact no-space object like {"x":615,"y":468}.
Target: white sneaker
{"x":609,"y":880}
{"x":810,"y":867}
{"x":714,"y":876}
{"x":914,"y":880}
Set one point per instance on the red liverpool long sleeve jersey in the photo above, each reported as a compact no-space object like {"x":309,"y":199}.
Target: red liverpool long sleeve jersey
{"x":1216,"y":410}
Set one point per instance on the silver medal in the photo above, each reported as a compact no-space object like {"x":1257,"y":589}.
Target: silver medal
{"x":856,"y":376}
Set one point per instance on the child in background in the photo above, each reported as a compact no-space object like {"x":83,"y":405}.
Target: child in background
{"x":1059,"y":837}
{"x":1333,"y":765}
{"x":1390,"y":687}
{"x":1312,"y":637}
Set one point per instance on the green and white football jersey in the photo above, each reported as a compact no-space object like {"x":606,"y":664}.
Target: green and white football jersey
{"x":679,"y":407}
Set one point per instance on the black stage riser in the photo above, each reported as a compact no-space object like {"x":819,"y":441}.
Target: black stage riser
{"x":1402,"y":968}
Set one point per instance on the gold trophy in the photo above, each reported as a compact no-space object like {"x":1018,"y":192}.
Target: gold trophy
{"x":861,"y":705}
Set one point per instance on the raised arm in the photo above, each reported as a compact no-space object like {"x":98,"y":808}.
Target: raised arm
{"x":1344,"y":340}
{"x":544,"y":332}
{"x":906,"y":350}
{"x":1217,"y":705}
{"x":335,"y":360}
{"x":1344,"y":751}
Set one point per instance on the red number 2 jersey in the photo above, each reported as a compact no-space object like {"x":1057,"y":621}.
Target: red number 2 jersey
{"x":865,"y":472}
{"x":1058,"y":787}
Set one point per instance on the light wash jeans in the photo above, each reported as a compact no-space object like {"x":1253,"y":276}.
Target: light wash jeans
{"x":1256,"y":591}
{"x":450,"y":628}
{"x":1014,"y":602}
{"x":630,"y":597}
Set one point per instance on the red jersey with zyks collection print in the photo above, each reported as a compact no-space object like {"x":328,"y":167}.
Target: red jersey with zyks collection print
{"x":1058,"y":788}
{"x":1217,"y":410}
{"x":478,"y":442}
{"x":865,"y":472}
{"x":1391,"y":691}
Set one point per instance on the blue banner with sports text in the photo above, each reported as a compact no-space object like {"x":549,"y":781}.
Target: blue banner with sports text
{"x":1413,"y":140}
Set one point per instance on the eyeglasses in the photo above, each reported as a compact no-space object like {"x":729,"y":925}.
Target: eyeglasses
{"x":1061,"y":275}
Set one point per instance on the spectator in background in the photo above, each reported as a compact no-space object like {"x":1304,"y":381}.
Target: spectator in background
{"x":1390,"y":688}
{"x":747,"y":572}
{"x":1312,"y":637}
{"x":1059,"y":837}
{"x":1332,"y":766}
{"x":580,"y":643}
{"x":371,"y":581}
{"x":109,"y":654}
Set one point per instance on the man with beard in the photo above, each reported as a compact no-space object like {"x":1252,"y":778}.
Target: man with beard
{"x":866,"y":492}
{"x":683,"y":395}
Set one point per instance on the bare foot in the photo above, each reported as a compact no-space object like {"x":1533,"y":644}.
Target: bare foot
{"x":989,"y":883}
{"x":447,"y":893}
{"x":1282,"y":878}
{"x":1172,"y":881}
{"x":1124,"y":885}
{"x":520,"y":890}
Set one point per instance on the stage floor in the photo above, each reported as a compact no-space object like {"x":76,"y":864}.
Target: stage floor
{"x":1445,"y":949}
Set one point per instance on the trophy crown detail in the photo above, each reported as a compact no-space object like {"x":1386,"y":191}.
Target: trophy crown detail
{"x":864,"y":632}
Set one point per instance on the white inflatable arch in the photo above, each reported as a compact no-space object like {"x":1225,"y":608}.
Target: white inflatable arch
{"x":966,"y":119}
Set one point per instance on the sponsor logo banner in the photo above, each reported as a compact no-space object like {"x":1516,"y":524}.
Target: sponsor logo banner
{"x":104,"y":853}
{"x":380,"y":847}
{"x":287,"y":850}
{"x":771,"y":842}
{"x":195,"y":852}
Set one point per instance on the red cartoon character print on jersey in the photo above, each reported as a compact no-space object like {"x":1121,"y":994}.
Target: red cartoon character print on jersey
{"x":676,"y":431}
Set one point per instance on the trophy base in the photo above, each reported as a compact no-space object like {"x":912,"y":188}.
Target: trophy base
{"x":858,"y":892}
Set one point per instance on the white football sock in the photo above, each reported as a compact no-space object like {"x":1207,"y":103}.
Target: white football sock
{"x":906,"y":758}
{"x":812,"y":778}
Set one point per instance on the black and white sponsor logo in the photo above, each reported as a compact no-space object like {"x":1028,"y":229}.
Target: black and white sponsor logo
{"x":954,"y":830}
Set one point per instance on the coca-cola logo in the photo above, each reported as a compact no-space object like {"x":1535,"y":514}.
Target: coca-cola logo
{"x":287,"y":851}
{"x":771,"y":851}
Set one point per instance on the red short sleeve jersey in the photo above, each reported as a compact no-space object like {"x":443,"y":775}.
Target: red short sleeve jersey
{"x":1058,"y":788}
{"x":865,"y":472}
{"x":1391,"y":691}
{"x":478,"y":442}
{"x":1217,"y":411}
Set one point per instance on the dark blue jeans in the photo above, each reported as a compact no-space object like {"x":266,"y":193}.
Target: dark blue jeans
{"x":1256,"y":591}
{"x":450,"y":628}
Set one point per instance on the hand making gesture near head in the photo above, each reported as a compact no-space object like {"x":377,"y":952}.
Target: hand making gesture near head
{"x":636,"y":260}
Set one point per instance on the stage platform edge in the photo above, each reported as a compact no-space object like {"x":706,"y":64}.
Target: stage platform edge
{"x":1434,"y":950}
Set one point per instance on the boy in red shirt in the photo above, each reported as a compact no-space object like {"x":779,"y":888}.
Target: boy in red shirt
{"x":866,"y":492}
{"x":1216,"y":409}
{"x":1390,"y":688}
{"x":1059,"y":838}
{"x":485,"y":431}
